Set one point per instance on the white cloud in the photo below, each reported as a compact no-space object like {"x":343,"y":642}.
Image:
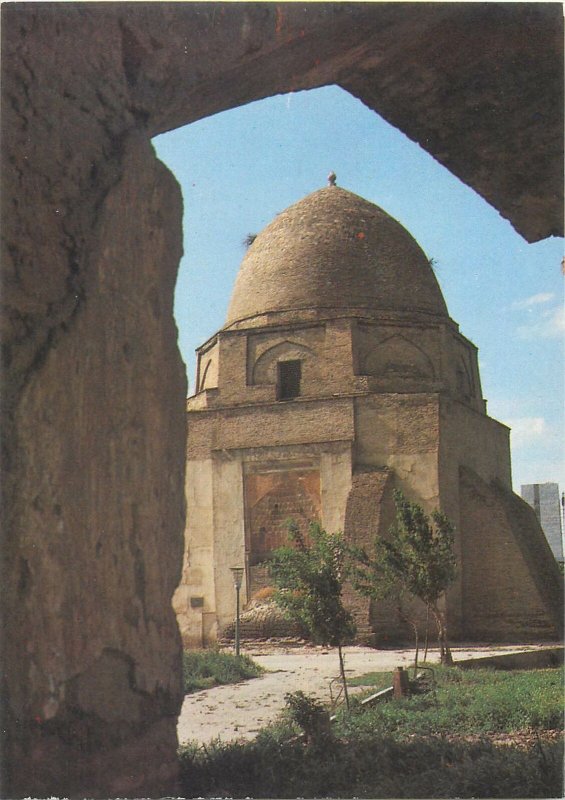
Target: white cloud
{"x":534,"y":300}
{"x":549,"y":325}
{"x":527,"y":431}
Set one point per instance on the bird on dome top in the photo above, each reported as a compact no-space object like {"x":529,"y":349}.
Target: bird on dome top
{"x":332,"y":177}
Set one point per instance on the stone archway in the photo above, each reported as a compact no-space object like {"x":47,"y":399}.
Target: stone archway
{"x":93,"y":390}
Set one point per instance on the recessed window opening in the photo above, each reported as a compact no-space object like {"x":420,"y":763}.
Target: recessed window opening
{"x":289,"y":374}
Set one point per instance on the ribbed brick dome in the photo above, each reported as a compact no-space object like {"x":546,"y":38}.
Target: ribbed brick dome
{"x":334,"y":250}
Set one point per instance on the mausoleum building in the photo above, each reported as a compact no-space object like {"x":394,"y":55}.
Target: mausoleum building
{"x":337,"y":377}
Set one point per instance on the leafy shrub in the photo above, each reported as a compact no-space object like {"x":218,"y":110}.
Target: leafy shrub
{"x":203,"y":669}
{"x":310,"y":577}
{"x":375,"y":768}
{"x":311,"y":716}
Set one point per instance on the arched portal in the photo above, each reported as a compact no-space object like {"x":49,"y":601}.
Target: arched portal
{"x":93,"y":389}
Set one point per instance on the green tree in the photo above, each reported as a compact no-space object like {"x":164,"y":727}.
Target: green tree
{"x":416,"y":558}
{"x":309,"y":577}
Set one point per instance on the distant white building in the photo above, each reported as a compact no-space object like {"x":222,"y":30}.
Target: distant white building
{"x":544,"y":499}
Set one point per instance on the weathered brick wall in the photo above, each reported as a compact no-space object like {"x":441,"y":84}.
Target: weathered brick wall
{"x":372,"y":338}
{"x":418,"y":354}
{"x":511,"y":583}
{"x":194,"y":597}
{"x":258,"y":578}
{"x":266,"y":348}
{"x":473,"y":440}
{"x":464,"y":377}
{"x":207,"y":367}
{"x":468,"y":439}
{"x":232,"y":375}
{"x":333,"y":249}
{"x":270,"y":425}
{"x":324,"y":348}
{"x":389,"y":425}
{"x":271,"y":500}
{"x":369,"y":512}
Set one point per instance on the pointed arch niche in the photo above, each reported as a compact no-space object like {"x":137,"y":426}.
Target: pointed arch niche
{"x":264,"y":370}
{"x":398,"y":359}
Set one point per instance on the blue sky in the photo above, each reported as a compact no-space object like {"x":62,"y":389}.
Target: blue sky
{"x":238,"y":169}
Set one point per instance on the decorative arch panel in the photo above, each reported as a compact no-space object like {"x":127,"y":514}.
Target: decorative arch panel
{"x":398,"y":358}
{"x":264,"y":370}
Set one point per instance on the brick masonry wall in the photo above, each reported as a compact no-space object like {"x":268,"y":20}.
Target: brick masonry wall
{"x":270,"y":425}
{"x":274,"y":498}
{"x":258,"y":578}
{"x":511,"y":585}
{"x":334,"y":249}
{"x":370,"y":513}
{"x":367,"y":515}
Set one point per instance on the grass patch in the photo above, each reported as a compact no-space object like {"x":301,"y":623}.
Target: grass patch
{"x":203,"y":669}
{"x":409,"y":748}
{"x":467,"y":702}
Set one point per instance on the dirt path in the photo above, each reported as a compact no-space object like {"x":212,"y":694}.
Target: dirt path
{"x":239,"y":711}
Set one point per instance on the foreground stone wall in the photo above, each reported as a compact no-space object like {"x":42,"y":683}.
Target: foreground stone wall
{"x":94,"y":693}
{"x":93,"y":390}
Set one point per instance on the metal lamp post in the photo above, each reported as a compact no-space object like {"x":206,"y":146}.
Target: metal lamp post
{"x":237,"y":573}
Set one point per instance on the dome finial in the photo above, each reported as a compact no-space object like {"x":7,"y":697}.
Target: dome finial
{"x":332,"y":177}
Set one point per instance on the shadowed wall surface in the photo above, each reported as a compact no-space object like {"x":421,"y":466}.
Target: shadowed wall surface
{"x":93,"y":388}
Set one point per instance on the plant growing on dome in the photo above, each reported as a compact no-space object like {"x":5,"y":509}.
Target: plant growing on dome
{"x":249,"y":239}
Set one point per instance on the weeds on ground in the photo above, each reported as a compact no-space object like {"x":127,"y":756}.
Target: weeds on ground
{"x":377,"y":768}
{"x":467,"y":702}
{"x":403,"y":748}
{"x":203,"y":669}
